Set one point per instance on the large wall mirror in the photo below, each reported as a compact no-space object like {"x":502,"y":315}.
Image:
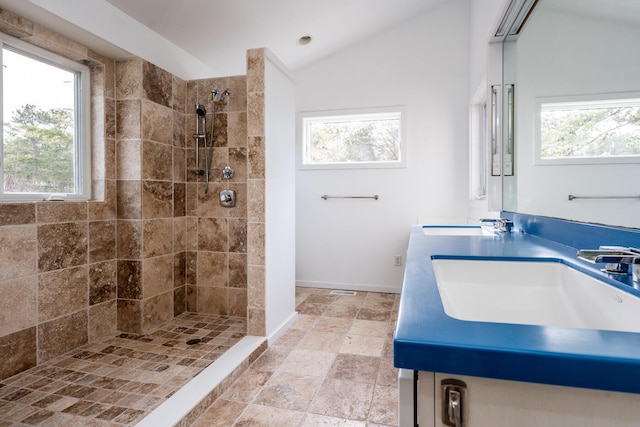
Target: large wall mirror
{"x":575,"y":69}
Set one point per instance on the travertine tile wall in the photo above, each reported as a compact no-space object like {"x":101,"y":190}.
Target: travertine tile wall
{"x":58,"y":259}
{"x":225,"y":246}
{"x":216,"y":235}
{"x":256,"y":281}
{"x":151,"y":192}
{"x":152,"y":244}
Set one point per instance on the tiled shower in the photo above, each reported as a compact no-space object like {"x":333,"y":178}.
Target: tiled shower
{"x":153,"y":244}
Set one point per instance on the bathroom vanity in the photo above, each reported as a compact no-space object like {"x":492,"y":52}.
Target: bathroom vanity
{"x":536,"y":361}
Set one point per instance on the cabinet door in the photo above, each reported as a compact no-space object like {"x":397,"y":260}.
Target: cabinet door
{"x":499,"y":403}
{"x":425,"y":400}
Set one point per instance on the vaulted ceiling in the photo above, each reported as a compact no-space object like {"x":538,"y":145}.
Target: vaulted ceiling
{"x":212,"y":36}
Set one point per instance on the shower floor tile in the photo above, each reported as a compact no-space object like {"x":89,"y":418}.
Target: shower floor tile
{"x":117,"y":382}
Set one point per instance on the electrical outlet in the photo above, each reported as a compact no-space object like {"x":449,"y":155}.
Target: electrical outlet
{"x":397,"y":260}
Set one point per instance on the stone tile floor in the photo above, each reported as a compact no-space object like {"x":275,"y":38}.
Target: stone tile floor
{"x":119,"y":381}
{"x":332,"y":367}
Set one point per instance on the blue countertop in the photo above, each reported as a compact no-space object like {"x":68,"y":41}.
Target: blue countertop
{"x":427,"y":339}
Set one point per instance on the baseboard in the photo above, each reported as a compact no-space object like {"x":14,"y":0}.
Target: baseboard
{"x":282,"y":328}
{"x":351,"y":287}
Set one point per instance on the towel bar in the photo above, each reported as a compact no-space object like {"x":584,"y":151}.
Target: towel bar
{"x":375,"y":197}
{"x":572,"y":197}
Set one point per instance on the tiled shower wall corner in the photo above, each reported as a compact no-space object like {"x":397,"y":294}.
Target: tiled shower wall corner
{"x":151,"y":195}
{"x":153,"y":244}
{"x":216,"y":237}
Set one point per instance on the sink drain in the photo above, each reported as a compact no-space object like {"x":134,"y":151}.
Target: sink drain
{"x":194,"y":341}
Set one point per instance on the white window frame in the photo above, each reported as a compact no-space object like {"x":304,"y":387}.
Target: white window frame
{"x":592,"y":100}
{"x":479,"y":147}
{"x":82,"y":122}
{"x":330,"y":115}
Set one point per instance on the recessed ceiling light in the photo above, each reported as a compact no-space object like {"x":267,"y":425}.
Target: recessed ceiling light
{"x":304,"y":40}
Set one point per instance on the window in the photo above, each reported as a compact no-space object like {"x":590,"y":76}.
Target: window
{"x":45,"y":114}
{"x":371,"y":138}
{"x":479,"y":147}
{"x":596,"y":129}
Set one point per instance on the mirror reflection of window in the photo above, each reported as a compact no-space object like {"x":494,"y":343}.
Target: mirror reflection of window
{"x":595,"y":130}
{"x":479,"y":148}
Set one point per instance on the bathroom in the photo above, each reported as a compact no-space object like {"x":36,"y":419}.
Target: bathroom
{"x":337,"y":241}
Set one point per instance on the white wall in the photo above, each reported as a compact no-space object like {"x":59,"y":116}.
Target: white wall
{"x":279,"y":195}
{"x":483,"y":22}
{"x":423,"y":65}
{"x":485,"y":16}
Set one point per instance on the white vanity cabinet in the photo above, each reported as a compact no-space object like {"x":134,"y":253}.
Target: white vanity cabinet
{"x":499,"y":403}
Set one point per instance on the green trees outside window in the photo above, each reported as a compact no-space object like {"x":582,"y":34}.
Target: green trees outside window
{"x":355,"y":141}
{"x":38,"y":151}
{"x":372,"y":138}
{"x":598,"y":132}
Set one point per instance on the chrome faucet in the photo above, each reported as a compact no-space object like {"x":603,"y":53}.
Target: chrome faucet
{"x":617,"y":259}
{"x":501,"y":224}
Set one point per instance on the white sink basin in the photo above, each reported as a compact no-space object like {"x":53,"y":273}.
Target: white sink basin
{"x":533,"y":293}
{"x":456,"y":230}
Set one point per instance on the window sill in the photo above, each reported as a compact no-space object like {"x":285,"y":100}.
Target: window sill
{"x":346,"y":166}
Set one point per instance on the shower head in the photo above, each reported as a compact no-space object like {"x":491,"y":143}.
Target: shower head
{"x":201,"y":111}
{"x":224,"y":94}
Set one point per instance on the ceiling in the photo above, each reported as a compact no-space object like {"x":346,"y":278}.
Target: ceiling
{"x":213,"y":35}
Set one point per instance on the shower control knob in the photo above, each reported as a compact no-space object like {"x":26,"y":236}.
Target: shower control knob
{"x":228,"y":198}
{"x":227,"y":172}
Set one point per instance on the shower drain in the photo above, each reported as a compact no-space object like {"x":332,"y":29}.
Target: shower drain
{"x":194,"y":341}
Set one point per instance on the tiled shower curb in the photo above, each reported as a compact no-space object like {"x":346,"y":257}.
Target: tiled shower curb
{"x":188,"y":403}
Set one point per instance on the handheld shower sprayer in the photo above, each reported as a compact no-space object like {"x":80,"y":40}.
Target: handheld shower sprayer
{"x":217,"y":99}
{"x":201,"y":134}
